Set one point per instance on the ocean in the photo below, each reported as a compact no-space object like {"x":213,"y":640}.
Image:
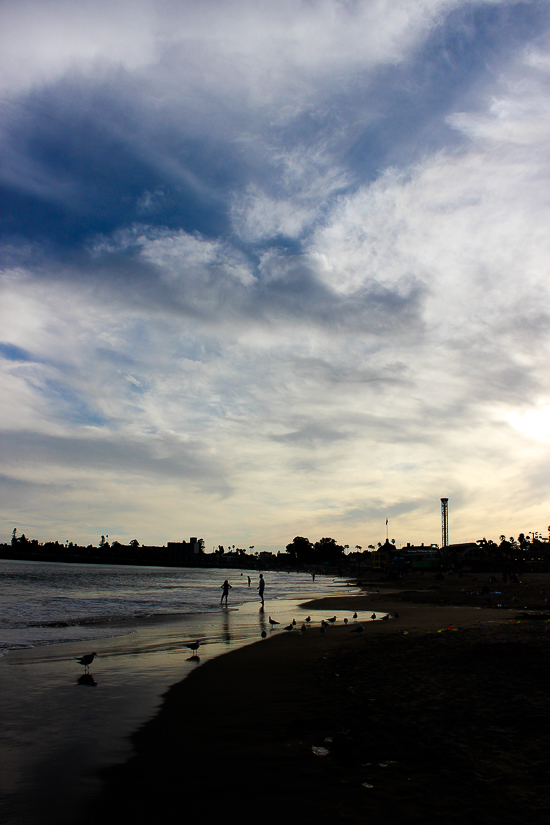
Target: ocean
{"x":59,"y":726}
{"x":50,"y":603}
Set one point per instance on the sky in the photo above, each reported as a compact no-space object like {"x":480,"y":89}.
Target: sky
{"x":274,"y":268}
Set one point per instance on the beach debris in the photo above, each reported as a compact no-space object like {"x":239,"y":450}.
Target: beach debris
{"x":319,"y":750}
{"x":86,"y":660}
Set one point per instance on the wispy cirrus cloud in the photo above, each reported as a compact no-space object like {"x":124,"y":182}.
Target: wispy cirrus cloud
{"x":275,"y":270}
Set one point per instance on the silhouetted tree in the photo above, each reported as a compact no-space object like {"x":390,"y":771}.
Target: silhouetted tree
{"x":134,"y":543}
{"x":300,"y":550}
{"x":326,"y":550}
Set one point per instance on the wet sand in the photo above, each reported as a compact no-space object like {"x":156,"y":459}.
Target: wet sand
{"x":440,"y":715}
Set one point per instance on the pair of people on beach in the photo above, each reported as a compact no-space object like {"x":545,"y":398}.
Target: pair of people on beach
{"x":226,"y":587}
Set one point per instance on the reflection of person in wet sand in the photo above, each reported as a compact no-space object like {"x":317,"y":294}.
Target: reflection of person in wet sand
{"x":261,"y":587}
{"x":226,"y":587}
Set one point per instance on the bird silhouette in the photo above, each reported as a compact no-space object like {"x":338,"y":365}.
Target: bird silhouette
{"x":272,"y":622}
{"x":358,"y":630}
{"x":194,"y":646}
{"x":386,"y":617}
{"x":308,"y":619}
{"x":345,"y":621}
{"x":289,"y":627}
{"x":86,"y":660}
{"x":332,"y":620}
{"x":263,"y":634}
{"x":354,"y":616}
{"x":373,"y":616}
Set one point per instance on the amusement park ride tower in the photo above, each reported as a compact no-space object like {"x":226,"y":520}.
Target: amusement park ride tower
{"x":444,"y":526}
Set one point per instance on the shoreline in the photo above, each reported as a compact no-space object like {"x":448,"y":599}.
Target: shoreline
{"x":422,"y":721}
{"x":60,"y":729}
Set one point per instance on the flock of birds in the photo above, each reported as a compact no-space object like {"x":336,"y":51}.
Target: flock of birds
{"x":325,"y":623}
{"x":87,"y":660}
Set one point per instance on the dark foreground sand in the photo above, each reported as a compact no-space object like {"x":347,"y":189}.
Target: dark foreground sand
{"x":420,"y":726}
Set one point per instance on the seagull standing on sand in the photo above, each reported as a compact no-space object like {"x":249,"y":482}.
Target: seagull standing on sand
{"x":308,"y":619}
{"x":86,"y":660}
{"x":373,"y":617}
{"x":194,"y":646}
{"x":272,"y":622}
{"x":358,"y":630}
{"x":289,"y":627}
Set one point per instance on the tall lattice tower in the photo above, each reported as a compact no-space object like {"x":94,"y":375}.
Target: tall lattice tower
{"x":444,"y":525}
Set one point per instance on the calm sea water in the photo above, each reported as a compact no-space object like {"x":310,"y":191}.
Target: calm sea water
{"x":59,"y":726}
{"x":49,"y":603}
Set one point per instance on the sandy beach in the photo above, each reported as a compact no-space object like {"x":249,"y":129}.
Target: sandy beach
{"x":440,"y":715}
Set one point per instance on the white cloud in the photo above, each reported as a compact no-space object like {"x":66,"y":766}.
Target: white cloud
{"x":268,"y":48}
{"x":394,"y":352}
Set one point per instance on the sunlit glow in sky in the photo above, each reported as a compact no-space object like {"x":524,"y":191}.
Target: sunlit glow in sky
{"x":274,"y":269}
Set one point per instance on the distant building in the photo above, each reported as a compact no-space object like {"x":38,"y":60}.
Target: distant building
{"x":184,"y":553}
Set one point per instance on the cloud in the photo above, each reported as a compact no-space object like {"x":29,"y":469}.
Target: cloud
{"x":272,"y":268}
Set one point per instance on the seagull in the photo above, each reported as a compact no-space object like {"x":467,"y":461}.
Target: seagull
{"x":386,"y":617}
{"x":289,"y":627}
{"x":194,"y":646}
{"x":303,"y":628}
{"x":308,"y":619}
{"x":263,"y":634}
{"x":86,"y":660}
{"x":272,"y":621}
{"x":373,"y":617}
{"x":332,"y":620}
{"x":358,"y":630}
{"x":345,"y":621}
{"x":294,"y":621}
{"x":354,"y":615}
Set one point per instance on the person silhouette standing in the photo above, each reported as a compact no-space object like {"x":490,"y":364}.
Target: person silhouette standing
{"x":261,"y":587}
{"x":226,"y":587}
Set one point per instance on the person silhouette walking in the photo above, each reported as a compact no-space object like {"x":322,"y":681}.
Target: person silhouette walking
{"x":261,"y":587}
{"x":226,"y":587}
